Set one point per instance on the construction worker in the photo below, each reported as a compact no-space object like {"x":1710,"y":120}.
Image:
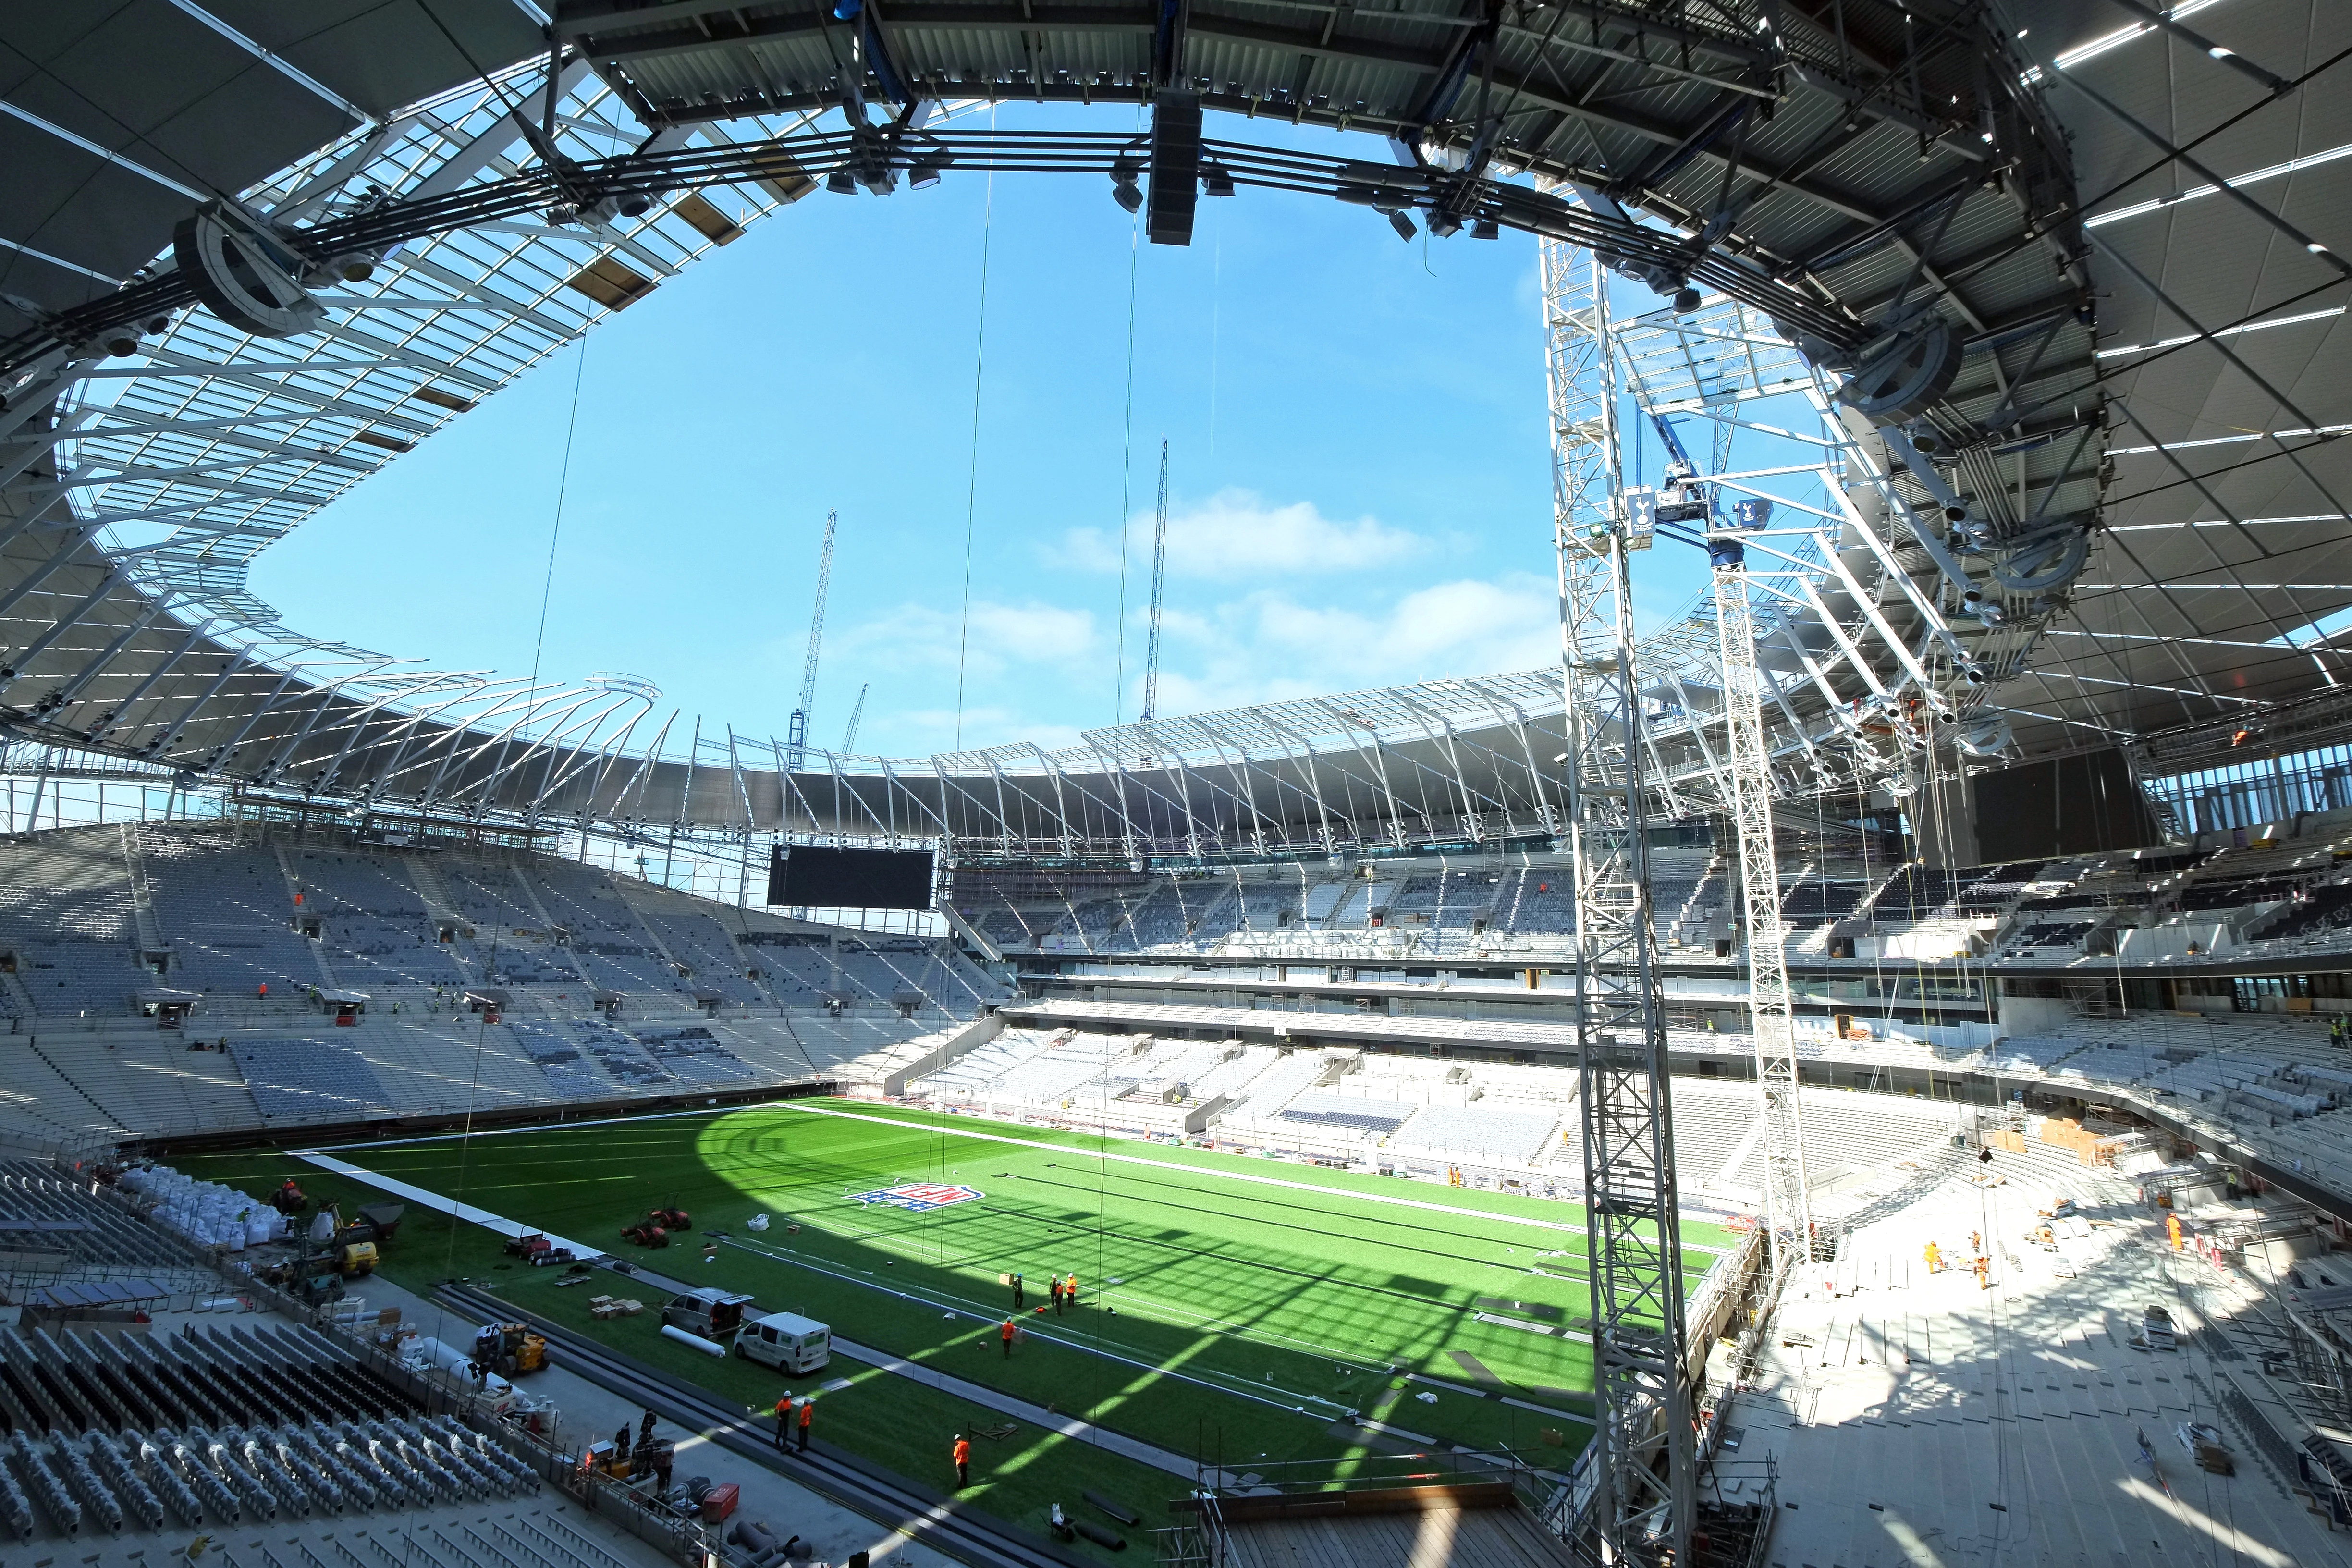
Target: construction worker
{"x":1070,"y":1289}
{"x":1976,"y":1241}
{"x":2172,"y":1230}
{"x":1984,"y":1272}
{"x":1005,"y":1335}
{"x":962,"y":1461}
{"x":808,"y":1414}
{"x":783,"y":1416}
{"x":1018,"y":1300}
{"x":1055,"y":1286}
{"x":1935,"y":1258}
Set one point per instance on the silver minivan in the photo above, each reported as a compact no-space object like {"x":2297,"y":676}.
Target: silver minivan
{"x":785,"y":1340}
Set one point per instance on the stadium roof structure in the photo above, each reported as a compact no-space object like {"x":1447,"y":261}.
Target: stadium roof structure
{"x":2130,"y":222}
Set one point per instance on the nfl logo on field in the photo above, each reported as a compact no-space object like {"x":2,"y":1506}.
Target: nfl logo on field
{"x":919,"y":1197}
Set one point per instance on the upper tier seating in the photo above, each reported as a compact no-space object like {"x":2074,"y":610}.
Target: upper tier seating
{"x":697,"y":940}
{"x":228,"y":914}
{"x":66,"y":914}
{"x":374,"y":922}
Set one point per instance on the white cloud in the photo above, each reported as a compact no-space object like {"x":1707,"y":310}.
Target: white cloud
{"x":1270,"y":646}
{"x":1238,"y":534}
{"x":917,"y":637}
{"x":1042,"y":672}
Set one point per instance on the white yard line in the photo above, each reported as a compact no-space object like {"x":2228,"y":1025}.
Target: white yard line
{"x":1222,"y":1175}
{"x":440,"y":1204}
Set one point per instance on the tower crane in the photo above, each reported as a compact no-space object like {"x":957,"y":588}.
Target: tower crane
{"x":1158,"y":580}
{"x":796,"y":734}
{"x":849,"y":735}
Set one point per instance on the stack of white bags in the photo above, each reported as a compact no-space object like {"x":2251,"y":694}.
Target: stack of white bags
{"x":204,"y":1212}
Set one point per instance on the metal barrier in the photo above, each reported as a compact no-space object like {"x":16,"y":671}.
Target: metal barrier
{"x":683,"y":1540}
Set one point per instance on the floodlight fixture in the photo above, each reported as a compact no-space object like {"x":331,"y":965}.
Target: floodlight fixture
{"x":1124,"y":190}
{"x":923,"y":175}
{"x":1402,"y":225}
{"x":1685,"y":300}
{"x":1214,"y":181}
{"x":841,"y":182}
{"x":1485,"y":229}
{"x":1445,"y":224}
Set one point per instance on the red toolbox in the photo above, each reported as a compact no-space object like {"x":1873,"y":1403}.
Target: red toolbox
{"x":718,"y":1502}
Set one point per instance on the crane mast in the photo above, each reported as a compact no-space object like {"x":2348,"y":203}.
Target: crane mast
{"x":1159,"y":579}
{"x":796,"y":733}
{"x":1634,"y":1493}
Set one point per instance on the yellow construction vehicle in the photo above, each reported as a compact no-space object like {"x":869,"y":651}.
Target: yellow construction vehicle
{"x":510,"y":1350}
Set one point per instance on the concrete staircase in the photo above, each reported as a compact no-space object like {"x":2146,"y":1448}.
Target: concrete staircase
{"x":425,"y":877}
{"x":318,"y":950}
{"x":143,"y":898}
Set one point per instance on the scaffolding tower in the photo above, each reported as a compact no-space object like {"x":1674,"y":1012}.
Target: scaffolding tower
{"x":1787,"y":1213}
{"x":1633,"y":1494}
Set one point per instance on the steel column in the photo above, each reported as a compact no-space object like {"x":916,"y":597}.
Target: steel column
{"x":1787,"y":1211}
{"x":1638,"y":1484}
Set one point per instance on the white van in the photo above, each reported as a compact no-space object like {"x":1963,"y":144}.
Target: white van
{"x":785,"y":1340}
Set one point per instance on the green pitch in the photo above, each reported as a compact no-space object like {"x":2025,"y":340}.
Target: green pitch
{"x":1243,"y":1312}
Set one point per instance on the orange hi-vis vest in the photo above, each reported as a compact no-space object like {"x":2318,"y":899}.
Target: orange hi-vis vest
{"x":1005,"y":1332}
{"x":964,"y":1450}
{"x":808,"y":1413}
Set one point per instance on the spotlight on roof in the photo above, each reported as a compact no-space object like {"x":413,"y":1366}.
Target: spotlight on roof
{"x":1445,"y":224}
{"x":923,"y":175}
{"x":1485,"y":229}
{"x":1214,"y":181}
{"x":1685,"y":300}
{"x":1124,"y":190}
{"x":1402,"y":225}
{"x":841,"y":182}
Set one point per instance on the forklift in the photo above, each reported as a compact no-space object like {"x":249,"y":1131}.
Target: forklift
{"x":509,"y":1348}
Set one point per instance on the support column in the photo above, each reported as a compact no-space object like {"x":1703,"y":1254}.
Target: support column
{"x":1634,"y":1490}
{"x":1787,"y":1212}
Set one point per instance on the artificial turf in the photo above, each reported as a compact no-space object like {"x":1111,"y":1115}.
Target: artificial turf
{"x":1240,"y":1311}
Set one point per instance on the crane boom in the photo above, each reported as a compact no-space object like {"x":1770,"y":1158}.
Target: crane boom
{"x":796,"y":734}
{"x":849,"y":736}
{"x":1159,"y":579}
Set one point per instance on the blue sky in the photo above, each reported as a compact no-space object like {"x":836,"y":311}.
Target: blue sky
{"x":1360,"y":491}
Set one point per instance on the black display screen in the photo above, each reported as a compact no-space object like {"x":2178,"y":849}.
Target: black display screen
{"x":850,"y":879}
{"x":2068,"y":806}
